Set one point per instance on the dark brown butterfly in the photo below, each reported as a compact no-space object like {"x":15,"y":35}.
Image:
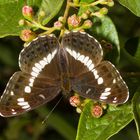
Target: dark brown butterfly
{"x":49,"y":67}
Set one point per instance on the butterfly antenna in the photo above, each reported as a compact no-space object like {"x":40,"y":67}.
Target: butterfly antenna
{"x":46,"y":118}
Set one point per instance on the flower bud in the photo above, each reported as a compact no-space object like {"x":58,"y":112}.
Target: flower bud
{"x":78,"y":110}
{"x":21,"y":22}
{"x":97,"y":111}
{"x":74,"y":101}
{"x":27,"y":12}
{"x":73,"y":21}
{"x":61,"y":19}
{"x":103,"y":11}
{"x":84,"y":16}
{"x":110,"y":3}
{"x":58,"y":24}
{"x":42,"y":13}
{"x":27,"y":35}
{"x":87,"y":24}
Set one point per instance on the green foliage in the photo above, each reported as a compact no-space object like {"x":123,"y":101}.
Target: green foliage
{"x":133,"y":5}
{"x":10,"y":14}
{"x":127,"y":58}
{"x":136,"y":110}
{"x":113,"y":121}
{"x":105,"y":29}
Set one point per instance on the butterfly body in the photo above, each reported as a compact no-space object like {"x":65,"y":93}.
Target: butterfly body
{"x":49,"y":67}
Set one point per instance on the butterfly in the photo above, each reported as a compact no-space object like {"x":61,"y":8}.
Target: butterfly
{"x":49,"y":67}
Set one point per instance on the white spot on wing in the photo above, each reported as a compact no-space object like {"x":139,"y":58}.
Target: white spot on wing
{"x":12,"y":93}
{"x":22,"y":103}
{"x":95,"y":74}
{"x":103,"y":97}
{"x":88,"y":91}
{"x":26,"y":106}
{"x":34,"y":74}
{"x":86,"y":60}
{"x":91,"y":66}
{"x":49,"y":57}
{"x":38,"y":66}
{"x":89,"y":63}
{"x":20,"y":99}
{"x":81,"y":58}
{"x":27,"y":89}
{"x":114,"y":81}
{"x":13,"y":110}
{"x":43,"y":63}
{"x":105,"y":94}
{"x":14,"y":113}
{"x":42,"y":96}
{"x":107,"y":89}
{"x":35,"y":70}
{"x":74,"y":54}
{"x":100,"y":80}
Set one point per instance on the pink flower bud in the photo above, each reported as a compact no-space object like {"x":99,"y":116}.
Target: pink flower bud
{"x":58,"y":24}
{"x":27,"y":12}
{"x":97,"y":111}
{"x":27,"y":35}
{"x":87,"y":24}
{"x":74,"y":101}
{"x":74,"y":21}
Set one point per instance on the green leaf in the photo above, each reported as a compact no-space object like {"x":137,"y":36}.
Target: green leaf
{"x":10,"y":14}
{"x":132,"y":5}
{"x":136,"y":110}
{"x":51,"y":8}
{"x":110,"y":123}
{"x":105,"y":29}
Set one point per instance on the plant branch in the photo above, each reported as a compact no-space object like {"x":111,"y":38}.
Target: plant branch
{"x":65,"y":17}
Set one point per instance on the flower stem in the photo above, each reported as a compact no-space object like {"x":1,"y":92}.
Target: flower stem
{"x":36,"y":24}
{"x":65,"y":17}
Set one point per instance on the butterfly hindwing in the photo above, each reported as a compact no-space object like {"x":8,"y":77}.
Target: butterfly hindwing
{"x":103,"y":83}
{"x":19,"y":96}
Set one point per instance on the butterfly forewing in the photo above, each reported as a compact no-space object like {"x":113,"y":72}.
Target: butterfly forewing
{"x":38,"y":53}
{"x":84,"y":52}
{"x":37,"y":83}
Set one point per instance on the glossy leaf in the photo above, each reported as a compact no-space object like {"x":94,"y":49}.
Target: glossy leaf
{"x":11,"y":13}
{"x":104,"y":29}
{"x":51,"y":8}
{"x":110,"y":123}
{"x":136,"y":110}
{"x":132,"y":5}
